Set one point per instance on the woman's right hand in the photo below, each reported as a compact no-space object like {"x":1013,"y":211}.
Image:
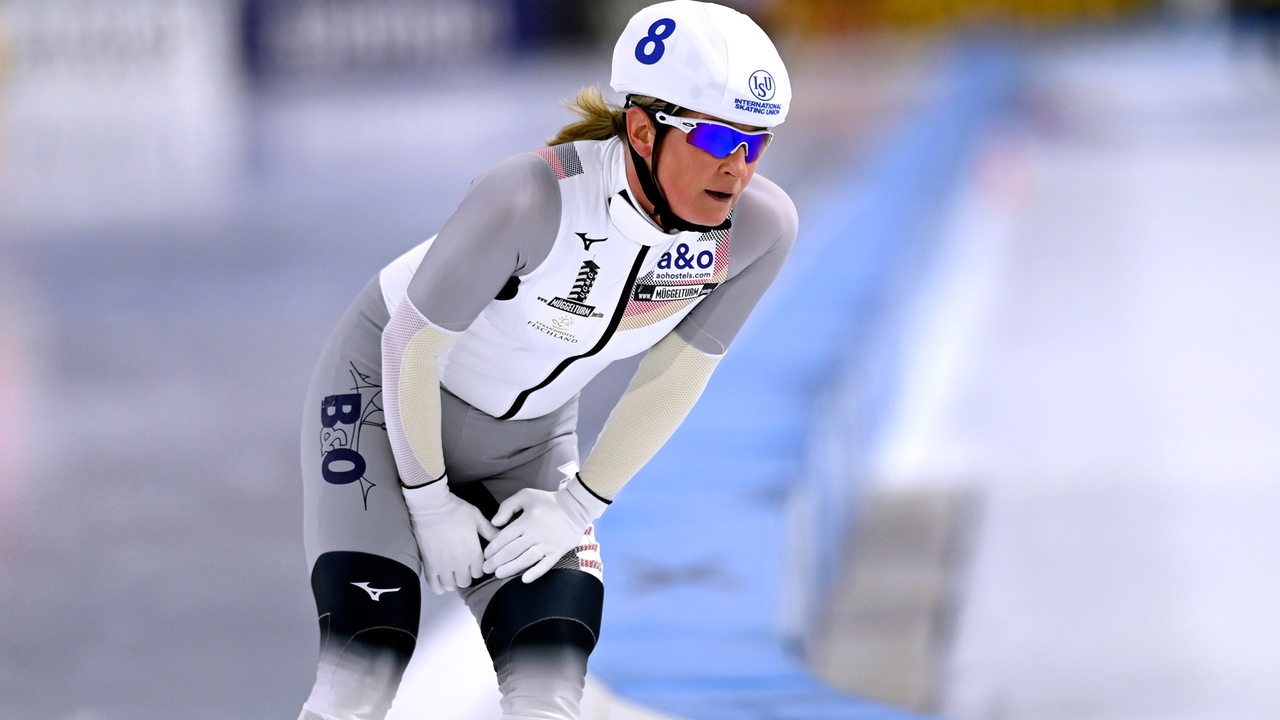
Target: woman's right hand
{"x":448,"y":530}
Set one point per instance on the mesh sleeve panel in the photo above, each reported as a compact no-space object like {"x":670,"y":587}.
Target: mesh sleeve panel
{"x":664,"y":389}
{"x":411,"y":347}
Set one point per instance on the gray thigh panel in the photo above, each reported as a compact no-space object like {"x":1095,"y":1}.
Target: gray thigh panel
{"x":351,"y":488}
{"x":507,"y":455}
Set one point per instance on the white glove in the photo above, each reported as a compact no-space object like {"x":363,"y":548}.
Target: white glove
{"x":549,"y":525}
{"x":448,"y":530}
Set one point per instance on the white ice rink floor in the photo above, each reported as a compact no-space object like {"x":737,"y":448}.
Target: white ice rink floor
{"x":1099,"y":364}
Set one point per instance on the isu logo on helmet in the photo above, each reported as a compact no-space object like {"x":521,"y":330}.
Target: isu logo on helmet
{"x":703,"y":57}
{"x":762,"y":85}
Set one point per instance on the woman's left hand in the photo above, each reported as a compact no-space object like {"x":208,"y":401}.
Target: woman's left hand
{"x":546,"y":526}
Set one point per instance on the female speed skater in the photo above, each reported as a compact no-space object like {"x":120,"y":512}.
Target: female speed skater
{"x":439,"y":435}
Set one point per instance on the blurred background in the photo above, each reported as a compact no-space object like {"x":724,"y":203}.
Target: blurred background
{"x":1082,"y":411}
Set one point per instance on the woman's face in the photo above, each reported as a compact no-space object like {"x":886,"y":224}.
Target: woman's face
{"x":700,"y":187}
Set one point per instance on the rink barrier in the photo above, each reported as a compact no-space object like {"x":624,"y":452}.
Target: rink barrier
{"x":726,"y":545}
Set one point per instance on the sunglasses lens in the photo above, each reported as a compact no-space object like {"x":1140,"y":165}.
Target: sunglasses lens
{"x":721,"y":141}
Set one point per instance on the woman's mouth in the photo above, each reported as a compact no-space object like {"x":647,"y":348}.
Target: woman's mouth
{"x":720,"y":196}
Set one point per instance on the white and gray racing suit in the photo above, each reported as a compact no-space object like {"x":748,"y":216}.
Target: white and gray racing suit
{"x":545,"y":274}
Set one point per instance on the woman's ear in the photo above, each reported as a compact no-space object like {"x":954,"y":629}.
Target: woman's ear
{"x":640,"y":131}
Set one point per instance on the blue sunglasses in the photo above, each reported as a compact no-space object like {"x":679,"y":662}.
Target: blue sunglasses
{"x":717,"y":138}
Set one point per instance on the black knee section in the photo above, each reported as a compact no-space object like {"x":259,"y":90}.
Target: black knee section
{"x":366,"y":603}
{"x":561,"y":608}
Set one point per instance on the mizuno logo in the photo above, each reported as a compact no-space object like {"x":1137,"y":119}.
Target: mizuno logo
{"x":374,"y":593}
{"x":586,"y":241}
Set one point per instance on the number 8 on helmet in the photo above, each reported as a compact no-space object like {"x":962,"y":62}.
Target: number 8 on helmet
{"x":704,"y":57}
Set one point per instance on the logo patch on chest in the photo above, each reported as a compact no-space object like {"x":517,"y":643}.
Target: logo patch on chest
{"x":582,"y":284}
{"x":685,"y":272}
{"x":671,"y":293}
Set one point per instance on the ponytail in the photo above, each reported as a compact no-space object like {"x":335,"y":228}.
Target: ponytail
{"x":600,"y":119}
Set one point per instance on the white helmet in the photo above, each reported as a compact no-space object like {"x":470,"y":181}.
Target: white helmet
{"x":703,"y":57}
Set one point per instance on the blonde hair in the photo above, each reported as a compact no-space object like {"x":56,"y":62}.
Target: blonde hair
{"x":599,"y":118}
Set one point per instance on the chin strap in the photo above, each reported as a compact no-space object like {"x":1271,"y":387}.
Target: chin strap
{"x":666,"y":218}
